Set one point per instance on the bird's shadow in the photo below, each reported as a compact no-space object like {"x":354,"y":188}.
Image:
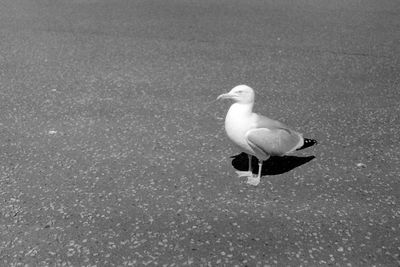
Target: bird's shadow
{"x":272,"y":166}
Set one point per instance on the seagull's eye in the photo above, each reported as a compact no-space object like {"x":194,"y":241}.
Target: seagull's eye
{"x":240,"y":91}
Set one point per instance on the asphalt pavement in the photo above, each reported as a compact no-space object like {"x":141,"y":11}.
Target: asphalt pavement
{"x":112,"y":147}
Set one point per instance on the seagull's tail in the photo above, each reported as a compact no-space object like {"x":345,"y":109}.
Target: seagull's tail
{"x":307,"y":143}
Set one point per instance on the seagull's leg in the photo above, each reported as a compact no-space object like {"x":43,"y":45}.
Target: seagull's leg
{"x":250,"y":158}
{"x":260,"y":163}
{"x":256,"y":180}
{"x":248,"y":173}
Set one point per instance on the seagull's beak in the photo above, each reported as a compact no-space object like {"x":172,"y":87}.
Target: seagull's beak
{"x":227,"y":96}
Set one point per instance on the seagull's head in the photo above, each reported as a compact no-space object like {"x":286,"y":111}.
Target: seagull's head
{"x":240,"y":94}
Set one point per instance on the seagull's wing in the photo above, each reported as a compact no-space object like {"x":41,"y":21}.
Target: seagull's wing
{"x":265,"y":122}
{"x":275,"y":142}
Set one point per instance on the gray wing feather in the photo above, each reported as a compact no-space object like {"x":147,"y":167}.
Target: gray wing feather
{"x":275,"y":142}
{"x":265,"y":122}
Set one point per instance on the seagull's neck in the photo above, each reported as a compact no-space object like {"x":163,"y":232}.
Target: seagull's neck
{"x":242,"y":109}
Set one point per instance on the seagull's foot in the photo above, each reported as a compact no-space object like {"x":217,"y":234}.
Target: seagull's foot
{"x":244,"y":174}
{"x":253,"y":180}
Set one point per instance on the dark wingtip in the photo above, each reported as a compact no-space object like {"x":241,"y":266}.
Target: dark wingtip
{"x":307,"y":143}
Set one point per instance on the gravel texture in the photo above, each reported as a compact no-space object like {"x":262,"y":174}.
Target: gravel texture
{"x":112,"y":147}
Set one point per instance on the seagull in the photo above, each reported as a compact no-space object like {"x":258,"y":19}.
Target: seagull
{"x":257,"y":135}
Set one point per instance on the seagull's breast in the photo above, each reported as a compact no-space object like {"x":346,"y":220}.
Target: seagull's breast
{"x":237,"y":122}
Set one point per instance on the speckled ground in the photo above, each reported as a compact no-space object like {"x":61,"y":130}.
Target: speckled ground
{"x":112,"y":147}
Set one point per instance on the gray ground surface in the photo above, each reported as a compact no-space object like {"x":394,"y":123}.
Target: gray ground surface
{"x":113,"y":152}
